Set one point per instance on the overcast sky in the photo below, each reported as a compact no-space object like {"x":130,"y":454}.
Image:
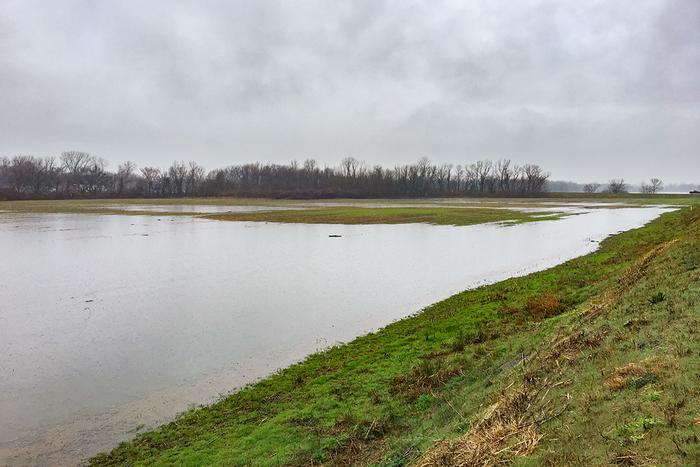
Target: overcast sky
{"x":589,"y":90}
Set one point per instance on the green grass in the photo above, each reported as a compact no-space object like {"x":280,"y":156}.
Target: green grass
{"x":393,"y":215}
{"x":385,"y":398}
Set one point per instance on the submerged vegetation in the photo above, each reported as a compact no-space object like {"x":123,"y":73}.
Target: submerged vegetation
{"x":593,"y":362}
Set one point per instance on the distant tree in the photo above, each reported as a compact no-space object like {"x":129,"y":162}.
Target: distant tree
{"x":310,"y":173}
{"x":20,"y":173}
{"x":459,"y":172}
{"x":657,"y":185}
{"x":654,"y":186}
{"x":443,"y":178}
{"x":124,"y":177}
{"x":87,"y":175}
{"x":351,"y":167}
{"x":482,"y":172}
{"x":195,"y":177}
{"x":504,"y":174}
{"x":617,"y":185}
{"x":95,"y":177}
{"x":75,"y":164}
{"x":591,"y":187}
{"x":150,"y":177}
{"x":177,"y":173}
{"x":535,"y":178}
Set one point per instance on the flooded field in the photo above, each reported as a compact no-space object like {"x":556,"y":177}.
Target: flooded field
{"x":113,"y":324}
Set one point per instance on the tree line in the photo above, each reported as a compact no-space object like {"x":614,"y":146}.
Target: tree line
{"x":78,"y":174}
{"x":618,"y":185}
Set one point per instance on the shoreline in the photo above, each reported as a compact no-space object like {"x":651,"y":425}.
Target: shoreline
{"x":306,"y":409}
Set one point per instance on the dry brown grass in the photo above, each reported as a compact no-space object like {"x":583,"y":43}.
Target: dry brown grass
{"x":419,"y":383}
{"x":696,"y":420}
{"x":544,"y":306}
{"x":497,"y":444}
{"x":501,"y":435}
{"x":659,"y":365}
{"x":571,"y":345}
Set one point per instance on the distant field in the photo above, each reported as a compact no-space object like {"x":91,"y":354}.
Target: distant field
{"x":444,"y":211}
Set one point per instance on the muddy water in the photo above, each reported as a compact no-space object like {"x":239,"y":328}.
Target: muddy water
{"x":113,"y":324}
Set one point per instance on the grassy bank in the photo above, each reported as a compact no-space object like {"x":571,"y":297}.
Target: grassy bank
{"x":592,"y":362}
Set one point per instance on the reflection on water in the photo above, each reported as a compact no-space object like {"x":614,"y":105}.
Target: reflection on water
{"x":111,"y":322}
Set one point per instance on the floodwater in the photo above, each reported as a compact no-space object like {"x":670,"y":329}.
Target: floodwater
{"x":114,"y":324}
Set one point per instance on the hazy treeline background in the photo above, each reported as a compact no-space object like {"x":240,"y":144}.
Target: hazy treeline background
{"x":77,"y":174}
{"x":567,"y":186}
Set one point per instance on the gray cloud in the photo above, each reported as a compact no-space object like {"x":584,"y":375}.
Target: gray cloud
{"x":589,"y":90}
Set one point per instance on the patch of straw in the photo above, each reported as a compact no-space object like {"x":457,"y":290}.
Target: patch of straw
{"x":658,"y":365}
{"x":499,"y":437}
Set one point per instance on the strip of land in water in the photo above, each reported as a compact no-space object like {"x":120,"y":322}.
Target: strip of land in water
{"x":591,"y":362}
{"x":398,"y":215}
{"x":443,"y":211}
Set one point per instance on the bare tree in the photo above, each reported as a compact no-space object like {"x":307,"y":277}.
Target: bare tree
{"x":458,"y":177}
{"x":654,"y":186}
{"x":28,"y":176}
{"x":95,"y":177}
{"x":195,"y":177}
{"x":178,"y":174}
{"x":443,"y":178}
{"x":536,"y":178}
{"x":617,"y":185}
{"x":75,"y":164}
{"x":351,"y":167}
{"x":482,"y":172}
{"x":591,"y":187}
{"x":150,"y":176}
{"x":20,"y":173}
{"x":657,"y":185}
{"x":470,"y":178}
{"x":310,"y":165}
{"x":504,"y":174}
{"x":124,"y":176}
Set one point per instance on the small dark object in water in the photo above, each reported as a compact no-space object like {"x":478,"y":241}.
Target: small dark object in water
{"x":335,"y":236}
{"x":695,"y":192}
